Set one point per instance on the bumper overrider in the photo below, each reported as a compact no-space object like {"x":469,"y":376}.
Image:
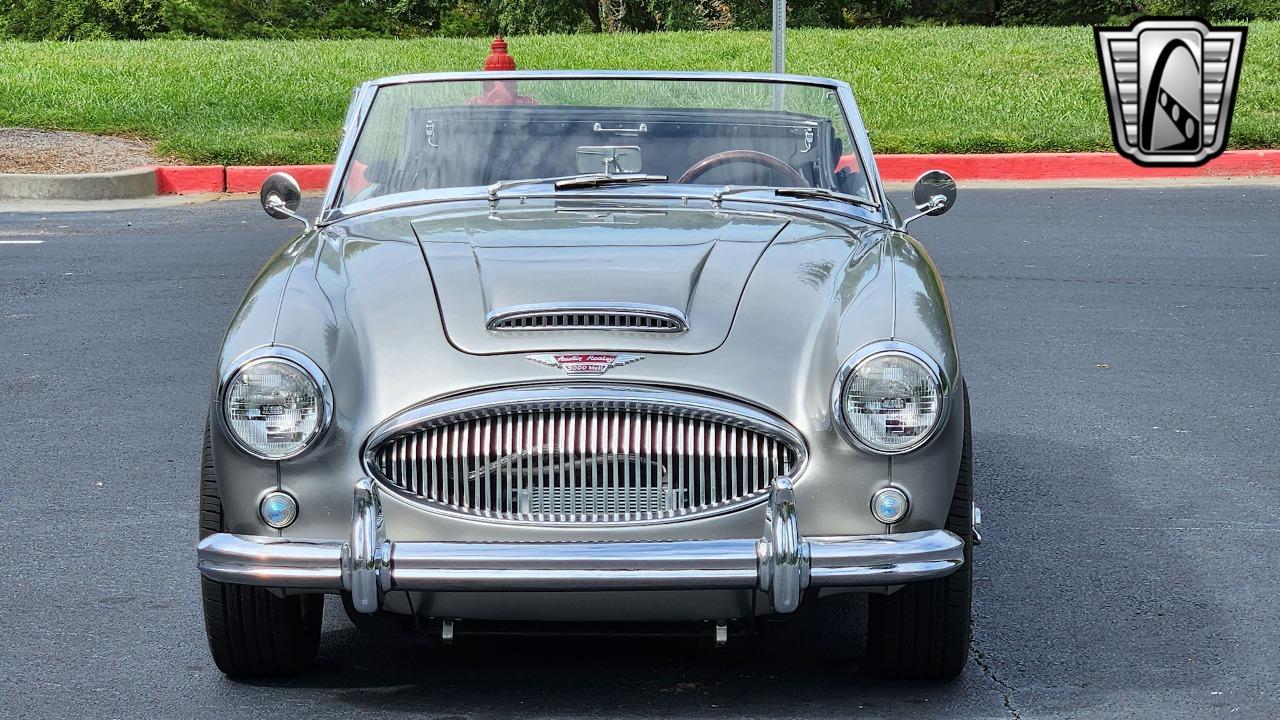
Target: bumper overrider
{"x":781,"y":563}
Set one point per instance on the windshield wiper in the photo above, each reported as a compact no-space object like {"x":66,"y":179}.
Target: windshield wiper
{"x":568,"y":182}
{"x":798,"y":192}
{"x":598,"y":179}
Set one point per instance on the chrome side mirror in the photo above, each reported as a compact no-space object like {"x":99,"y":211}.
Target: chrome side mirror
{"x":281,"y":196}
{"x":934,"y":194}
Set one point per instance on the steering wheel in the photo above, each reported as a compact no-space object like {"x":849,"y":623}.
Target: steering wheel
{"x":755,"y":157}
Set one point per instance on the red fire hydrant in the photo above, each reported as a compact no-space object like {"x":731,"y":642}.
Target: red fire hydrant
{"x":499,"y":58}
{"x":500,"y":92}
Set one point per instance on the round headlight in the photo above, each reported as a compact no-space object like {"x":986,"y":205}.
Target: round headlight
{"x":890,"y":400}
{"x":274,"y":407}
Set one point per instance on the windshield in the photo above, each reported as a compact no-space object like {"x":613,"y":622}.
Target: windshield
{"x":433,"y":135}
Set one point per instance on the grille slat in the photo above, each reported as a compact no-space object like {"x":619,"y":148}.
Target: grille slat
{"x":585,"y":464}
{"x":639,"y":319}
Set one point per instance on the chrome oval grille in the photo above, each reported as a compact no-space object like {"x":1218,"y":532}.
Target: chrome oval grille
{"x":659,"y":320}
{"x":607,"y":457}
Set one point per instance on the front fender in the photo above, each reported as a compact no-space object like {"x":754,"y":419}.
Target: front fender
{"x":922,"y":317}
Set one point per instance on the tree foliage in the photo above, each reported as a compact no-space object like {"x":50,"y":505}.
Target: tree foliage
{"x":80,"y":19}
{"x":131,"y":19}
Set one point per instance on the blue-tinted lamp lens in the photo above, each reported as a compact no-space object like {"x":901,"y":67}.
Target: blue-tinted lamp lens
{"x":278,"y":509}
{"x":889,"y":505}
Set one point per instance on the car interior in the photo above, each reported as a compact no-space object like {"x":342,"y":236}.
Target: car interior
{"x":689,"y":146}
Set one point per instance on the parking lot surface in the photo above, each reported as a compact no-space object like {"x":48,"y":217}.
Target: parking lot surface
{"x":1122,"y":348}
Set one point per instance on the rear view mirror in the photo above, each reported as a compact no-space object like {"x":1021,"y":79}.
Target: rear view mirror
{"x":609,"y":159}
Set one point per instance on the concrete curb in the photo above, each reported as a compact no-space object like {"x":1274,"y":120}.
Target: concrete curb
{"x":248,"y":178}
{"x":189,"y":180}
{"x":1072,"y":166}
{"x":122,"y":185}
{"x":1003,"y":167}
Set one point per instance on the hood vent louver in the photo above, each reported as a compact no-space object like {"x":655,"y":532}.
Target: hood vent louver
{"x":624,"y":318}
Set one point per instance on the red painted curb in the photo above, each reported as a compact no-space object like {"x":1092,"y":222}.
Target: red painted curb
{"x":1071,"y":166}
{"x":186,"y":180}
{"x":893,"y":168}
{"x":248,"y":178}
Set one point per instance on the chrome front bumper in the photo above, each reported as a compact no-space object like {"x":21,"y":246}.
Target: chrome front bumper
{"x":781,"y":563}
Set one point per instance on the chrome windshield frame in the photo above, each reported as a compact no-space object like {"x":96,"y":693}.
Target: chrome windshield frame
{"x":365,"y":94}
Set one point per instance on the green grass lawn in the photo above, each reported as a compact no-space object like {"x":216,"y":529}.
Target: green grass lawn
{"x":960,"y":89}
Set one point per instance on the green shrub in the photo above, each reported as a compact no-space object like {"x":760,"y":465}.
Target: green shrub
{"x":541,"y":17}
{"x":1217,"y":9}
{"x":79,"y":19}
{"x":1055,"y":12}
{"x":281,"y":18}
{"x":666,"y":15}
{"x":131,"y":19}
{"x":467,"y":20}
{"x":955,"y":12}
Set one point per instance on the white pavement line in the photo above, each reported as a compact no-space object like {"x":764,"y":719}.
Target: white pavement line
{"x":21,"y":242}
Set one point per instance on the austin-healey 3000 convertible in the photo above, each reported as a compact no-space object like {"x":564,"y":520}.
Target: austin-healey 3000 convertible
{"x":593,"y":350}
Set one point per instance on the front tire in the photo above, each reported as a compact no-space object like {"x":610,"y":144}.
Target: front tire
{"x":252,"y":632}
{"x":921,"y":632}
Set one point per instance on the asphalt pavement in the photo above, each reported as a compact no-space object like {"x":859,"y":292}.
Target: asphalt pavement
{"x":1122,"y":348}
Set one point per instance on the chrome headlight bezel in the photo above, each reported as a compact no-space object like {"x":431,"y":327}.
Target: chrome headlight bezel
{"x":290,"y":356}
{"x":876,"y":350}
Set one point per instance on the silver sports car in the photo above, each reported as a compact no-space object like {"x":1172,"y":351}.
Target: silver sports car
{"x":593,"y":351}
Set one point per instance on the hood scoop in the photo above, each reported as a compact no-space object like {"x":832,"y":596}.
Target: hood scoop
{"x":598,"y":317}
{"x":540,"y":279}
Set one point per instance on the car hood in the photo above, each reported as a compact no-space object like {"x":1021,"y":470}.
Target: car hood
{"x":600,"y":263}
{"x":359,"y":299}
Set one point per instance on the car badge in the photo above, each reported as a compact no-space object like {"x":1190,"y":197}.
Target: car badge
{"x":1170,"y":86}
{"x":581,"y":363}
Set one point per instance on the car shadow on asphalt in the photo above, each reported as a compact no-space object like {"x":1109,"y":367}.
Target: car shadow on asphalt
{"x":576,"y":676}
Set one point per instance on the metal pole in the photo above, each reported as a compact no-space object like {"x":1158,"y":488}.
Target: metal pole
{"x":779,"y":36}
{"x":779,"y":48}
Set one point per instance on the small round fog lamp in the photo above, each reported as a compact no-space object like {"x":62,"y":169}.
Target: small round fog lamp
{"x":890,"y":505}
{"x":278,"y":509}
